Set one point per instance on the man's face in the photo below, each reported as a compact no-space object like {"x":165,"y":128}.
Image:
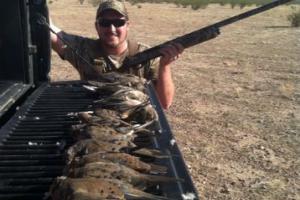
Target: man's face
{"x":112,"y":28}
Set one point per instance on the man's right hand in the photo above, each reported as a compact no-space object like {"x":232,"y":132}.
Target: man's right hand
{"x":56,"y":43}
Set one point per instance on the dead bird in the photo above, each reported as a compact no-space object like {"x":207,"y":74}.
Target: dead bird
{"x":140,"y":114}
{"x":153,"y":153}
{"x":100,"y":112}
{"x":127,"y":129}
{"x":101,"y":89}
{"x":134,"y":193}
{"x":113,"y":81}
{"x":87,"y":118}
{"x":102,"y":133}
{"x":121,"y":158}
{"x":117,"y":104}
{"x":88,"y":146}
{"x":139,"y":137}
{"x":64,"y":188}
{"x":115,"y":123}
{"x":123,"y":79}
{"x":117,"y":171}
{"x":128,"y":94}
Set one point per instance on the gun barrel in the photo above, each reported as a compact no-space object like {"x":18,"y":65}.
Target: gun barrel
{"x":198,"y":36}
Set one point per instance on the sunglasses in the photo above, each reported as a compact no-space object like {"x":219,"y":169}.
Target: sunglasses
{"x":109,"y":22}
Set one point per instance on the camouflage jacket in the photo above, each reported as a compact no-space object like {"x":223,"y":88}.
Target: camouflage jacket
{"x":99,"y":63}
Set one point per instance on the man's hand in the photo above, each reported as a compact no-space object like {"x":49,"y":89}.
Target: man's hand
{"x":170,"y":53}
{"x":57,"y":44}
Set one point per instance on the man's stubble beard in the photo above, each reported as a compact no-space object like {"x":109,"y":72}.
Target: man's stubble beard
{"x":113,"y":45}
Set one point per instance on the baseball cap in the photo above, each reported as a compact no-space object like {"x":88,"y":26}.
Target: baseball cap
{"x":116,"y":5}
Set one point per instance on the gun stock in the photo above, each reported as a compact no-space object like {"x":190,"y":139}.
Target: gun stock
{"x":198,"y":36}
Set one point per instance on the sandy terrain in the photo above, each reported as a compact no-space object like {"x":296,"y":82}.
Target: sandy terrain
{"x":236,"y":115}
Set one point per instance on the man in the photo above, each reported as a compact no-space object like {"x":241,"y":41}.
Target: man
{"x":109,"y":51}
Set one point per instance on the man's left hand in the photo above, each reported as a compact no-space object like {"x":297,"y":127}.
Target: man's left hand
{"x":170,"y":53}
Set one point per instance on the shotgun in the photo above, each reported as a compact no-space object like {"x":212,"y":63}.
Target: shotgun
{"x":198,"y":36}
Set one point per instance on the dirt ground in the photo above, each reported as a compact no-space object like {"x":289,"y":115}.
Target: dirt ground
{"x":236,"y":115}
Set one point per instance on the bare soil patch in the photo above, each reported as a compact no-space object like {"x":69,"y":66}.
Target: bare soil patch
{"x":236,"y":115}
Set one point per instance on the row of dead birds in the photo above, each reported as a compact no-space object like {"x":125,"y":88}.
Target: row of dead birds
{"x":105,"y":163}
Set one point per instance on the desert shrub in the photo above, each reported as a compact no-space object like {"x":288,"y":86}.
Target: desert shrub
{"x":294,"y":19}
{"x":194,"y":4}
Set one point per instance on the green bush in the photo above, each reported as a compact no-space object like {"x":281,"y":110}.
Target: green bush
{"x":294,"y":18}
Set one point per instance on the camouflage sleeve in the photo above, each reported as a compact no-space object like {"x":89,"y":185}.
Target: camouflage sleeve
{"x":77,"y":43}
{"x":154,"y":64}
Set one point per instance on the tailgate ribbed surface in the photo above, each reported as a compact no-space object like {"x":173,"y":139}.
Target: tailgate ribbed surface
{"x":33,"y":141}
